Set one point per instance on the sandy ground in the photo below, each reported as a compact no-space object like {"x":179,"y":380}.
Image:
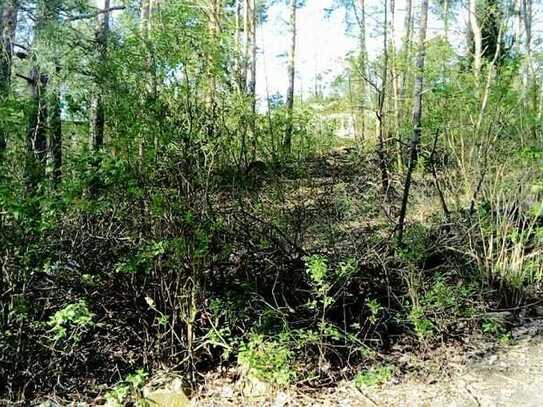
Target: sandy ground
{"x":508,"y":377}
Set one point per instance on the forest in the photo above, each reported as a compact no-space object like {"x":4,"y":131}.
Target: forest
{"x":173,"y":212}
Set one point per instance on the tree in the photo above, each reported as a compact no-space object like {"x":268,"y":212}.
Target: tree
{"x":530,"y":85}
{"x":144,"y":17}
{"x":8,"y":13}
{"x":363,"y":66}
{"x":97,"y":104}
{"x":477,"y":37}
{"x":485,"y":18}
{"x":47,"y":13}
{"x":55,"y":129}
{"x":417,"y":115}
{"x":9,"y":24}
{"x":291,"y":71}
{"x":238,"y":61}
{"x":249,"y":75}
{"x":380,"y":111}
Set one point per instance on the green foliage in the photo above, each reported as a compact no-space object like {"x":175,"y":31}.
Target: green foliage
{"x":375,"y":310}
{"x":70,"y":321}
{"x":317,"y":269}
{"x":439,"y":306}
{"x":423,"y":326}
{"x":268,"y":360}
{"x":373,"y":377}
{"x":493,"y":327}
{"x":414,"y":247}
{"x":129,"y":389}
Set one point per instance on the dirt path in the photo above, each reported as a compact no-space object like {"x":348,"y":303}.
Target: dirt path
{"x":512,"y":377}
{"x":509,"y":377}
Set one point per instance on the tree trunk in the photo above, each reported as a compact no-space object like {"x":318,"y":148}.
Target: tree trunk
{"x":530,"y":77}
{"x":446,"y":20}
{"x":247,"y":22}
{"x":154,"y":8}
{"x":97,"y":106}
{"x":37,"y":117}
{"x":363,"y":70}
{"x":55,"y":133}
{"x":9,"y":25}
{"x":291,"y":70}
{"x":395,"y":84}
{"x":517,"y":39}
{"x":408,"y":29}
{"x":405,"y":57}
{"x":145,"y":11}
{"x":417,"y":115}
{"x":36,"y":136}
{"x":238,"y":63}
{"x":380,"y":113}
{"x":8,"y":13}
{"x":477,"y":38}
{"x":251,"y":86}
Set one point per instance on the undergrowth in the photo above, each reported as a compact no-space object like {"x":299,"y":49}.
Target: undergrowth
{"x":142,"y":280}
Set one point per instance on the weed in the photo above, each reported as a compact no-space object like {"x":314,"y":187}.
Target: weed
{"x":71,"y":319}
{"x":422,"y":325}
{"x":267,"y":360}
{"x":373,"y":377}
{"x":493,"y":327}
{"x":413,"y":249}
{"x":130,"y":388}
{"x":375,"y":310}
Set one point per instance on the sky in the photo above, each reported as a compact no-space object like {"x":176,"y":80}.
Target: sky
{"x":324,"y":42}
{"x":322,"y":45}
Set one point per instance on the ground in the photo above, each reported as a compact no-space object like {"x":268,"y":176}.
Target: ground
{"x":486,"y":376}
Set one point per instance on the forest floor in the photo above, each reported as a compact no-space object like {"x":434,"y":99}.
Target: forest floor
{"x":485,"y":375}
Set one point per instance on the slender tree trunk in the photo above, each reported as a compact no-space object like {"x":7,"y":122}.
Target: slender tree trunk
{"x":404,"y":73}
{"x":251,"y":85}
{"x":380,"y":113}
{"x":8,"y":13}
{"x":215,"y":28}
{"x":238,"y":63}
{"x":9,"y":25}
{"x":517,"y":39}
{"x":37,"y":115}
{"x":291,"y":70}
{"x":55,"y":133}
{"x":417,"y":115}
{"x":446,"y":20}
{"x":530,"y":77}
{"x":154,"y":9}
{"x":36,"y":136}
{"x":145,"y":11}
{"x":408,"y":29}
{"x":97,"y":113}
{"x":247,"y":21}
{"x":145,"y":23}
{"x":395,"y":84}
{"x":477,"y":38}
{"x":215,"y":18}
{"x":363,"y":70}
